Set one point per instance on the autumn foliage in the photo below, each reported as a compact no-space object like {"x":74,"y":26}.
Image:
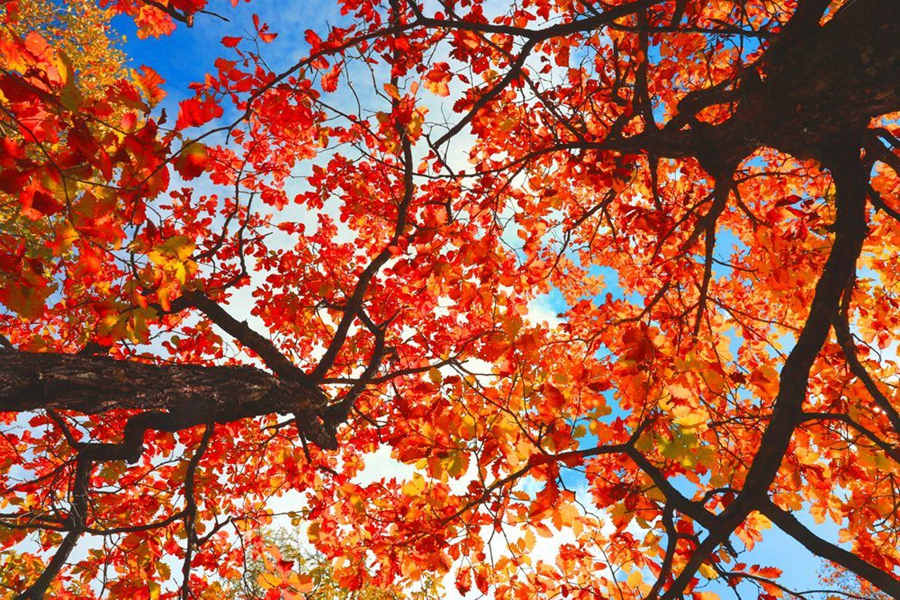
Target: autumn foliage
{"x":222,"y":315}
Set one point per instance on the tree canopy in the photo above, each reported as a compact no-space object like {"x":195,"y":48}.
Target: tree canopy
{"x":218,"y":316}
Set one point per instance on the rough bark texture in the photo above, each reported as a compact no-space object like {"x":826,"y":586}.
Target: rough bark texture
{"x":815,"y":86}
{"x":188,"y":395}
{"x":818,"y":86}
{"x":94,"y":385}
{"x":813,"y":95}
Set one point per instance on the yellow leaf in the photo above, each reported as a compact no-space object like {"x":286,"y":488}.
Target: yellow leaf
{"x":690,"y":417}
{"x":300,"y":583}
{"x":765,"y":378}
{"x":415,"y":487}
{"x":439,"y":88}
{"x":179,"y":246}
{"x":313,"y":531}
{"x":267,"y":581}
{"x":635,"y":579}
{"x":508,"y":124}
{"x":708,"y":572}
{"x":457,"y":463}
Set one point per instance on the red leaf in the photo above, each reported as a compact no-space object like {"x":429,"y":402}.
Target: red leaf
{"x":330,"y":79}
{"x":194,"y":112}
{"x":45,"y":204}
{"x":464,"y":580}
{"x":191,"y":161}
{"x":313,"y":39}
{"x":149,"y":81}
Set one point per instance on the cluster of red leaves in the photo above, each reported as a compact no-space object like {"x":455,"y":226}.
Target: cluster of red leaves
{"x":667,"y":375}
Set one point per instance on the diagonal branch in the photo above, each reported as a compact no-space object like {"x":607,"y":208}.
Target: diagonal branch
{"x":824,"y":549}
{"x":77,"y":519}
{"x":845,"y":339}
{"x":721,"y":192}
{"x":851,"y":182}
{"x":354,"y":305}
{"x":241,"y":331}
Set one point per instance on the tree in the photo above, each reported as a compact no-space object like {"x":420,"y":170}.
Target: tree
{"x":845,"y":584}
{"x":710,"y":187}
{"x":284,"y":555}
{"x":78,"y":29}
{"x":82,"y":44}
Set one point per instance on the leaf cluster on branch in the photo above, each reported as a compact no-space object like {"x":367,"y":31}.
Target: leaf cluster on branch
{"x":252,"y":303}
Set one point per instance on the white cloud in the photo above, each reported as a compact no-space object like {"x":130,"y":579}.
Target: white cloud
{"x":380,"y":465}
{"x":541,"y":309}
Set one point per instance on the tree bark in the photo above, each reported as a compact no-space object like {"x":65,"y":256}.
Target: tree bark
{"x":177,"y":396}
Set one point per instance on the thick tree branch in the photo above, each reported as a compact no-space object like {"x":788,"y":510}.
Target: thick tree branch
{"x":241,"y":331}
{"x":790,"y":525}
{"x":175,"y":396}
{"x":850,"y":225}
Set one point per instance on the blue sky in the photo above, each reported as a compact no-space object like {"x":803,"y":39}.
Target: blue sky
{"x":189,"y":53}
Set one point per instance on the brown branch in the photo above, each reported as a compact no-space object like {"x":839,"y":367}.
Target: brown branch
{"x":77,"y":519}
{"x":190,"y":510}
{"x":721,"y":193}
{"x":354,"y":305}
{"x":676,"y":499}
{"x":824,"y":549}
{"x":243,"y":333}
{"x":337,"y":413}
{"x":850,"y":180}
{"x":594,"y":22}
{"x":175,"y":396}
{"x":93,"y":385}
{"x":185,"y":18}
{"x":845,"y":340}
{"x":725,"y":30}
{"x":672,"y":536}
{"x":515,"y":70}
{"x":892,"y":451}
{"x":879,"y":204}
